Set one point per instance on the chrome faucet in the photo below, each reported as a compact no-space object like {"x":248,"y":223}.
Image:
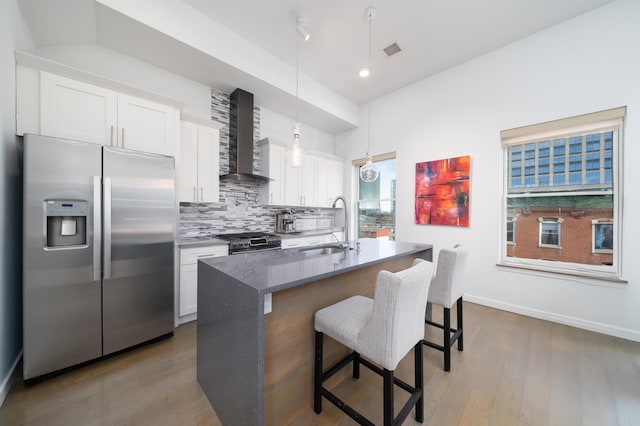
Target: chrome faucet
{"x":345,"y":243}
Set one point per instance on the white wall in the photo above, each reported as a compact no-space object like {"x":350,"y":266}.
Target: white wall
{"x":277,"y":126}
{"x":14,"y":35}
{"x":587,"y":64}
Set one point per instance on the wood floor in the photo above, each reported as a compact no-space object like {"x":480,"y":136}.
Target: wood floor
{"x":514,"y":371}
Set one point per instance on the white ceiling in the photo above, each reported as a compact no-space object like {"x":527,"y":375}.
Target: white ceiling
{"x":434,"y":35}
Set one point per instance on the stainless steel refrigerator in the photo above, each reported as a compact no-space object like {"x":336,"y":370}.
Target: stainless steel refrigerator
{"x":98,"y":251}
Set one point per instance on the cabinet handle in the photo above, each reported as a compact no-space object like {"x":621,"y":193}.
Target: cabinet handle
{"x":195,"y":197}
{"x":111,"y":137}
{"x":271,"y":198}
{"x":201,"y":194}
{"x":122,"y":141}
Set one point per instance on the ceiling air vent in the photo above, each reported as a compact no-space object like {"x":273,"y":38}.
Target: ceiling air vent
{"x":392,"y":49}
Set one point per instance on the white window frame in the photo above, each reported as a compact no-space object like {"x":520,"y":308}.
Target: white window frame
{"x":558,"y":222}
{"x":608,"y":120}
{"x":357,"y":163}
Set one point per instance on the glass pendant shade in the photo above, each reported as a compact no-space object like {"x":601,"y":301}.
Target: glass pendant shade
{"x":369,"y":172}
{"x":294,"y":155}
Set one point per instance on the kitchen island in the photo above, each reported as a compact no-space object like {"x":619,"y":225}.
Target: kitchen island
{"x":255,"y":322}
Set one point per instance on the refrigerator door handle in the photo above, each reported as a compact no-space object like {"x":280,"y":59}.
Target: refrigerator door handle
{"x":97,"y":227}
{"x":107,"y":228}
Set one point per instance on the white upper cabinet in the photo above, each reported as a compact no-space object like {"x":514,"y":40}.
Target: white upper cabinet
{"x":209,"y":163}
{"x":76,"y":110}
{"x":187,"y":166}
{"x":272,"y":166}
{"x":146,"y":126}
{"x":330,"y":179}
{"x":199,"y":165}
{"x":308,"y":182}
{"x":315,"y":184}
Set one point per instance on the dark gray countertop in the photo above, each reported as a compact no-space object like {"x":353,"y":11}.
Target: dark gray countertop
{"x":274,"y":270}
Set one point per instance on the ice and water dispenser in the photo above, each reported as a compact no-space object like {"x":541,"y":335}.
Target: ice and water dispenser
{"x":66,"y":223}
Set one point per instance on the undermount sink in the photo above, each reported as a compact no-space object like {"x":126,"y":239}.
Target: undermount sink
{"x":323,"y":249}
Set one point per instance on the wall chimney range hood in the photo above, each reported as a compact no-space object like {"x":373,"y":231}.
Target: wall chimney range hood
{"x":241,"y":139}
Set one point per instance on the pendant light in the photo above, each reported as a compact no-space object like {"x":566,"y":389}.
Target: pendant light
{"x":369,"y":172}
{"x":294,"y":154}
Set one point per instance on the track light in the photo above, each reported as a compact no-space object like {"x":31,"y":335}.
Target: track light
{"x":303,"y":33}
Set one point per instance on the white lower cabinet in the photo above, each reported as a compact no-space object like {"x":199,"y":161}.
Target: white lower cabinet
{"x":188,"y":297}
{"x":292,"y":242}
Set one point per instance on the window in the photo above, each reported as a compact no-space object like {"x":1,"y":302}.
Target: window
{"x":549,"y":232}
{"x":511,"y":230}
{"x":602,"y":236}
{"x":562,"y":181}
{"x":377,"y":200}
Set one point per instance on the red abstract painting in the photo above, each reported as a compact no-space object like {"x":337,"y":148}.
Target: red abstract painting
{"x":442,"y":192}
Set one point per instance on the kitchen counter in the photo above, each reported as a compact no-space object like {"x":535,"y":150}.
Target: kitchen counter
{"x":255,"y":322}
{"x":201,"y":242}
{"x":303,"y":234}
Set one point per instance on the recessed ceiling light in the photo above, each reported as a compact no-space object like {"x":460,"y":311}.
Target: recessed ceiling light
{"x":364,"y":72}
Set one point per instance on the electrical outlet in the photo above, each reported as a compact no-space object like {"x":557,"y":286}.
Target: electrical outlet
{"x":267,"y":303}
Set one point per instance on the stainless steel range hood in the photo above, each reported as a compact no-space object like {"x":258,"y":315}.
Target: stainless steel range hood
{"x":241,"y":139}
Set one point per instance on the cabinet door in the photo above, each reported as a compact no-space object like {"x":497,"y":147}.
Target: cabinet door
{"x":75,"y":110}
{"x":292,"y":196}
{"x":145,"y":126}
{"x":208,"y":161}
{"x":188,"y":303}
{"x":187,"y":166}
{"x":188,"y":289}
{"x":272,"y":193}
{"x":335,"y":179}
{"x":322,"y":184}
{"x":308,"y":179}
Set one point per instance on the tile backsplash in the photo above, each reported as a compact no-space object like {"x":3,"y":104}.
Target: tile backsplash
{"x":238,"y":210}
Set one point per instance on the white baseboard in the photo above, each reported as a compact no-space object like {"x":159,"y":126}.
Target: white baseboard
{"x":624,"y":333}
{"x":187,"y":318}
{"x":7,"y":381}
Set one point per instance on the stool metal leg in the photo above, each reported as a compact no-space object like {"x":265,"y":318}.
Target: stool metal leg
{"x":459,"y":325}
{"x":419,"y":381}
{"x":447,"y":339}
{"x":388,"y":397}
{"x":317,"y":380}
{"x":356,"y":366}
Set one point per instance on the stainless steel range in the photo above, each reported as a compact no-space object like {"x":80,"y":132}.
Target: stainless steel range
{"x":251,"y":241}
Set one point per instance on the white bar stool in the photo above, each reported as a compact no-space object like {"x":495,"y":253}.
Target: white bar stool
{"x":382,"y":331}
{"x":447,"y":288}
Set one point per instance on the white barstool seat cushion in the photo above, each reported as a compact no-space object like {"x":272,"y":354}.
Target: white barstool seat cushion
{"x":383,"y":329}
{"x":447,"y":285}
{"x":344,"y":320}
